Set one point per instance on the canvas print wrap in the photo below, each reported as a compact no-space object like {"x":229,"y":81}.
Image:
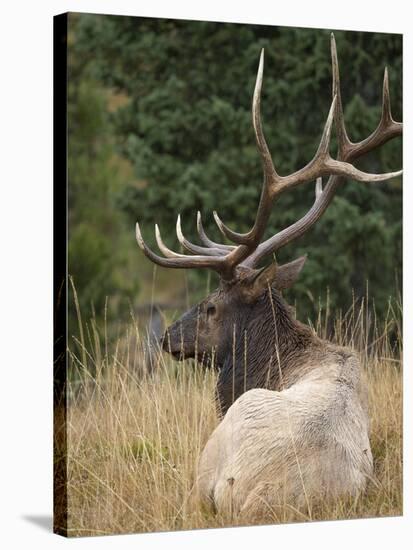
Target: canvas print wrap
{"x":228,"y":346}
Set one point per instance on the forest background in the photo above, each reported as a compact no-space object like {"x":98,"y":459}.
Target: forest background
{"x":159,"y":116}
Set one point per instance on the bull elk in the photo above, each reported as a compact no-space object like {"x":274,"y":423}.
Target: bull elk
{"x":294,"y":418}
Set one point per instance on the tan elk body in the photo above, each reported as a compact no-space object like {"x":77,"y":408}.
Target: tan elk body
{"x":295,"y":421}
{"x":308,"y":439}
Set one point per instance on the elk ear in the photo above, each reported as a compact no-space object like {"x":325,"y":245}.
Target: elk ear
{"x":263,"y":277}
{"x":278,"y":276}
{"x":259,"y":280}
{"x":287,"y":274}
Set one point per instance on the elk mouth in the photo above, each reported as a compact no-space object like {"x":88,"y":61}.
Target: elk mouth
{"x":204,"y":358}
{"x":177,"y":354}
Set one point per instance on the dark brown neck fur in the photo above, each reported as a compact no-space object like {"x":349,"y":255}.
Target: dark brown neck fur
{"x":269,"y":349}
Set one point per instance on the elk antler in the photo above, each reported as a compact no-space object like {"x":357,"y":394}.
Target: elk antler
{"x":347,"y":151}
{"x":248,"y":251}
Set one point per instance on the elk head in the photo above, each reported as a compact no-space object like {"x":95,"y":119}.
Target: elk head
{"x":209,"y":326}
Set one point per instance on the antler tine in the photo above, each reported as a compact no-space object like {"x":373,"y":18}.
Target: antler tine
{"x":269,"y":171}
{"x":193,"y":248}
{"x":171,"y":254}
{"x":226,"y":231}
{"x":322,"y":164}
{"x":324,"y":146}
{"x":340,"y":168}
{"x":206,"y":240}
{"x":342,"y":137}
{"x":386,"y":117}
{"x":252,"y":238}
{"x":386,"y":129}
{"x":162,"y":246}
{"x":180,"y":261}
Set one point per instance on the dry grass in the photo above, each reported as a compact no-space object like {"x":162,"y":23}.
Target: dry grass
{"x":134,"y":438}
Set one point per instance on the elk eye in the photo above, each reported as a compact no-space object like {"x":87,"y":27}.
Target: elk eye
{"x":211,"y":310}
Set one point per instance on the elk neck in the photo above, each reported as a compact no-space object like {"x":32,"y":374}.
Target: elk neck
{"x":268,"y":343}
{"x":272,"y":331}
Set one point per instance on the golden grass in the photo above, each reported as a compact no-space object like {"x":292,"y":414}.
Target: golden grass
{"x":134,"y":438}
